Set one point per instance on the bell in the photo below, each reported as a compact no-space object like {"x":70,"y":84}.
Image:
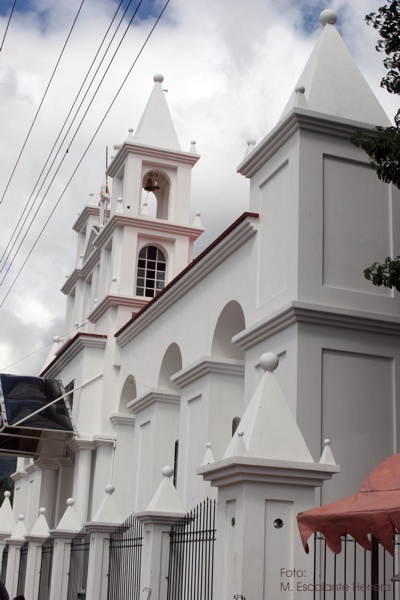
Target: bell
{"x":150,"y":185}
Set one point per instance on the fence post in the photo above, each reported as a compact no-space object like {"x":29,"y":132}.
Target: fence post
{"x":7,"y":524}
{"x":106,"y":520}
{"x":39,"y":533}
{"x":267,"y":476}
{"x":14,"y":542}
{"x":66,"y":530}
{"x":164,"y":509}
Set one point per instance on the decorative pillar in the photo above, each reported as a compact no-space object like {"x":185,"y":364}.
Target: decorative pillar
{"x":14,"y":542}
{"x":7,"y":523}
{"x":39,"y":533}
{"x":164,"y":510}
{"x":66,"y":530}
{"x":265,"y":478}
{"x":106,"y":520}
{"x":82,"y":478}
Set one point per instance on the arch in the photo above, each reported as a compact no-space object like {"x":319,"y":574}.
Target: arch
{"x":151,"y":271}
{"x":128,"y":394}
{"x":171,"y":364}
{"x":161,"y":192}
{"x":230,"y":322}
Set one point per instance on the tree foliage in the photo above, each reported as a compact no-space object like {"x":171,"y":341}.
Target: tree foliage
{"x":383,"y":144}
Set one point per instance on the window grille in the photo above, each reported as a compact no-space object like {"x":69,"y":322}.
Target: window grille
{"x":151,"y":272}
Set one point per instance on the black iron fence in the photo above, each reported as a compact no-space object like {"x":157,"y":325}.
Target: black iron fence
{"x":46,"y":565}
{"x":4,"y":562}
{"x":78,"y":566}
{"x":191,"y":557}
{"x":23,"y":559}
{"x":125,"y":552}
{"x":354,"y":574}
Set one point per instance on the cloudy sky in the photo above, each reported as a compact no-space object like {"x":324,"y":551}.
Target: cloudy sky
{"x":229,"y":68}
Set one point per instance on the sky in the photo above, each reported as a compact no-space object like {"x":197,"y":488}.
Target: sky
{"x":229,"y":67}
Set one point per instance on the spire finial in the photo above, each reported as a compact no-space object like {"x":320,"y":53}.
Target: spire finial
{"x":328,"y":16}
{"x":158,"y":78}
{"x":269,"y":361}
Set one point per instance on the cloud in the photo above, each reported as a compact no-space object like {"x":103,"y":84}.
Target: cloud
{"x":228,"y":71}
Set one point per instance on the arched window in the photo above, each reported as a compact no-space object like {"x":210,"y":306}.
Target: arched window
{"x":151,"y":272}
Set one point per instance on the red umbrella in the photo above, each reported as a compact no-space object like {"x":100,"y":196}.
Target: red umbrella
{"x":374,"y":510}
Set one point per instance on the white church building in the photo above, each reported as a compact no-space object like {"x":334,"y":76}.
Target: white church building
{"x":171,"y":357}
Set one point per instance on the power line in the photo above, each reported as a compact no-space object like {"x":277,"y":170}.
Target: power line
{"x":41,"y":102}
{"x":11,"y":242}
{"x":8,"y":25}
{"x":86,"y":150}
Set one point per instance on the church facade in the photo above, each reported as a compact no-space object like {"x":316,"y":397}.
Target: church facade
{"x":165,"y":351}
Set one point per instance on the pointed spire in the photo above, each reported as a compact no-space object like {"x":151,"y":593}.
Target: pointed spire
{"x":327,"y":457}
{"x":268,"y":425}
{"x":108,"y":511}
{"x":7,"y":519}
{"x":208,"y":457}
{"x":166,"y":498}
{"x":333,"y":83}
{"x":156,"y":127}
{"x":69,"y":520}
{"x":19,"y":532}
{"x":41,"y":526}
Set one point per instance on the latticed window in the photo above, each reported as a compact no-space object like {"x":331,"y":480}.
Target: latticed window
{"x":151,"y":271}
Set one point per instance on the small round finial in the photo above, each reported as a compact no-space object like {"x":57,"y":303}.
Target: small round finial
{"x":109,"y":489}
{"x":251,"y":142}
{"x":193,"y":142}
{"x":240,"y":433}
{"x":300,"y":89}
{"x":56,"y":338}
{"x":76,"y":324}
{"x":158,"y":78}
{"x":42,"y":511}
{"x":209,"y":445}
{"x":114,"y":279}
{"x":327,"y":442}
{"x":197,"y":213}
{"x":70,"y":502}
{"x":117,"y":146}
{"x":91,"y":194}
{"x":7,"y":494}
{"x":328,"y":16}
{"x":167,"y":471}
{"x":21,"y":517}
{"x":269,"y":361}
{"x":119,"y":199}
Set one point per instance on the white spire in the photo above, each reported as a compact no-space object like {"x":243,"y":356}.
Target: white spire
{"x":156,"y":127}
{"x":333,"y":83}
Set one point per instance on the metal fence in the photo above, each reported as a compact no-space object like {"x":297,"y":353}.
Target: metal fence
{"x":23,"y":559}
{"x":78,"y":567}
{"x":4,"y":563}
{"x":355,"y":573}
{"x":46,"y":566}
{"x":125,"y":552}
{"x":191,"y":557}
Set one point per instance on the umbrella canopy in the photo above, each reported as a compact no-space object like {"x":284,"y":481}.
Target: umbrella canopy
{"x":374,"y":510}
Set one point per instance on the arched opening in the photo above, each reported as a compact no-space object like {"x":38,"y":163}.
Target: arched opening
{"x":151,"y":271}
{"x":171,"y":364}
{"x":156,"y":185}
{"x":230,"y":322}
{"x":128,"y":394}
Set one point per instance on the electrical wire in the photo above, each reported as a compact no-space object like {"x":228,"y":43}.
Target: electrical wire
{"x":86,"y":151}
{"x":41,"y":102}
{"x":8,"y":25}
{"x":70,"y":142}
{"x":18,"y":233}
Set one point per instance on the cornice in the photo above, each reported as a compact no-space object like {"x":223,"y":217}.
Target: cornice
{"x":206,"y":366}
{"x":72,"y":348}
{"x":82,"y":219}
{"x":244,"y":469}
{"x":32,"y":537}
{"x":18,"y":475}
{"x":299,"y":118}
{"x":152,"y":152}
{"x":143,"y":223}
{"x":101,"y":440}
{"x":110,"y":300}
{"x":302,"y":312}
{"x":151,"y":397}
{"x":120,"y":419}
{"x":153,"y":517}
{"x":46,"y":462}
{"x":80,"y":444}
{"x":235,"y":236}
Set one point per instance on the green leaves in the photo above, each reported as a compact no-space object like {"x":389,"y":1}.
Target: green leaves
{"x":386,"y":274}
{"x":383,"y":147}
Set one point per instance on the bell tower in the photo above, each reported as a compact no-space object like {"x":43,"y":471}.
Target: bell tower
{"x":142,"y":237}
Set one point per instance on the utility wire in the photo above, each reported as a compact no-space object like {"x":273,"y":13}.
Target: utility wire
{"x":87,"y":149}
{"x":18,"y":233}
{"x":8,"y":25}
{"x":41,"y":102}
{"x":71,"y":141}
